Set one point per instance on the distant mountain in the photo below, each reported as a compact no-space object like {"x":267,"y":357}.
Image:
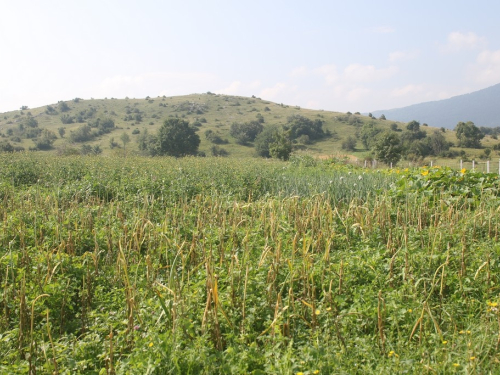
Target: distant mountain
{"x":480,"y":107}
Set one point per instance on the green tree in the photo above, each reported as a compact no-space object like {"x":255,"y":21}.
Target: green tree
{"x":300,"y":125}
{"x":281,"y":147}
{"x":63,"y":106}
{"x":177,"y":138}
{"x":5,"y":146}
{"x":368,"y":134}
{"x":46,"y":140}
{"x":125,"y":138}
{"x":413,"y":126}
{"x":349,"y":144}
{"x":218,"y":151}
{"x":245,"y":132}
{"x":264,"y":140}
{"x":468,"y":135}
{"x":438,"y":143}
{"x":387,"y":148}
{"x":81,"y":134}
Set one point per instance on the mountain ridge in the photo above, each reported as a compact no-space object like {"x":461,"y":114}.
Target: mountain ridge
{"x":480,"y":107}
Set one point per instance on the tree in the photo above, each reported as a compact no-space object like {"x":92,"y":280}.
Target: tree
{"x":264,"y":140}
{"x":61,"y":131}
{"x":300,"y":125}
{"x":6,"y":147}
{"x":349,"y":143}
{"x":246,"y":132}
{"x":125,"y":139}
{"x":46,"y":140}
{"x":438,"y":143}
{"x":387,"y":148}
{"x":63,"y":106}
{"x":413,"y":126}
{"x":81,"y":134}
{"x":218,"y":151}
{"x":368,"y":134}
{"x":382,"y":117}
{"x":177,"y":138}
{"x":468,"y":135}
{"x":281,"y":148}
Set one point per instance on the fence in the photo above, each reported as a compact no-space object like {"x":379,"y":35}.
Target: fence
{"x":486,"y":166}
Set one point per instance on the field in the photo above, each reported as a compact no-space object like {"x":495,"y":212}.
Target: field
{"x":245,"y":266}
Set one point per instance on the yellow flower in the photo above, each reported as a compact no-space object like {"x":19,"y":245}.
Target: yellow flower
{"x":150,"y":344}
{"x":472,"y":358}
{"x":463,"y":170}
{"x":492,"y":304}
{"x":425,"y":173}
{"x":461,"y":332}
{"x":456,"y":365}
{"x":317,"y":312}
{"x":392,"y":353}
{"x":468,"y":332}
{"x":316,"y":372}
{"x":406,"y":169}
{"x":410,"y":310}
{"x":445,"y":342}
{"x":300,"y":373}
{"x":328,"y":309}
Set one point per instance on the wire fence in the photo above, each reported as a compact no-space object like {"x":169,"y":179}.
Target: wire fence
{"x":485,"y":166}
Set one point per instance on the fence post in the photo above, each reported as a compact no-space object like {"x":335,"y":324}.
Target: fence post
{"x":473,"y":165}
{"x":365,"y":163}
{"x":391,"y":165}
{"x":461,"y":164}
{"x":488,"y":166}
{"x":431,"y":163}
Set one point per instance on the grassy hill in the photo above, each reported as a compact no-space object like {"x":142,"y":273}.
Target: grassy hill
{"x":207,"y":111}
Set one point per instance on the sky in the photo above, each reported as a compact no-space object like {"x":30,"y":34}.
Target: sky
{"x":356,"y":55}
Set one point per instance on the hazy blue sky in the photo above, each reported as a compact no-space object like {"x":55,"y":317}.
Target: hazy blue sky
{"x":334,"y":55}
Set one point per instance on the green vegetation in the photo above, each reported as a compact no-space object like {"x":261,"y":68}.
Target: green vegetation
{"x":245,"y":126}
{"x":209,"y":265}
{"x":468,"y":135}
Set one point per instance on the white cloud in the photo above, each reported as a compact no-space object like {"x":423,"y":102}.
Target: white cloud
{"x":312,"y":104}
{"x":489,"y":57}
{"x":458,"y":41}
{"x":233,"y":88}
{"x":272,"y":92}
{"x":329,"y":73}
{"x":487,"y":67}
{"x":407,"y":90}
{"x":398,"y":56}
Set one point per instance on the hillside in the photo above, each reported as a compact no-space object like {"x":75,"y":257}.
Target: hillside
{"x":208,"y":112}
{"x":480,"y":107}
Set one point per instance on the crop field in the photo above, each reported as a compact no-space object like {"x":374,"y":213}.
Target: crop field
{"x":246,"y":266}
